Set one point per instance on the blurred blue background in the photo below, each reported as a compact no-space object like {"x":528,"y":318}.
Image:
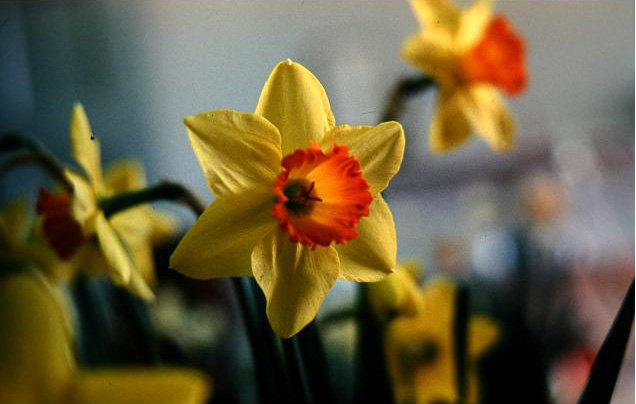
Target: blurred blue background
{"x":140,"y":67}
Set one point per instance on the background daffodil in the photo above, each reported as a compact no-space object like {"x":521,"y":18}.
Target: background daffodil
{"x":398,"y":294}
{"x":298,"y":201}
{"x":472,"y":55}
{"x":420,"y":349}
{"x":123,"y":240}
{"x":37,"y":364}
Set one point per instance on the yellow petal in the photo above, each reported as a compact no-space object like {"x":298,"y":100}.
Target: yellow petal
{"x":86,"y":147}
{"x":431,"y":58}
{"x":449,"y":127}
{"x":379,"y":149}
{"x":482,"y":334}
{"x":294,"y":278}
{"x":398,"y":294}
{"x":438,"y":18}
{"x":239,"y":153}
{"x":439,"y":298}
{"x":36,"y":362}
{"x":126,"y":175}
{"x":141,"y":385}
{"x":296,"y":103}
{"x":84,"y":202}
{"x":487,"y":113}
{"x":220,"y":242}
{"x":138,"y":286}
{"x":371,"y":256}
{"x":120,"y":263}
{"x":473,"y":22}
{"x":15,"y":220}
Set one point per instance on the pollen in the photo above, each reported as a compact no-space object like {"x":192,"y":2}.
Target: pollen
{"x":498,"y":58}
{"x":63,"y":233}
{"x":321,"y":197}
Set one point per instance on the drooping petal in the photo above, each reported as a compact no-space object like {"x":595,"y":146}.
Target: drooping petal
{"x":84,"y":204}
{"x":296,"y":103}
{"x":487,"y":113}
{"x":139,"y":287}
{"x":439,"y":18}
{"x":295,"y":280}
{"x":120,"y":262}
{"x":472,"y":24}
{"x":449,"y":127}
{"x":220,"y":242}
{"x":379,"y":149}
{"x":238,"y":152}
{"x":86,"y":148}
{"x":431,"y":58}
{"x":372,"y":255}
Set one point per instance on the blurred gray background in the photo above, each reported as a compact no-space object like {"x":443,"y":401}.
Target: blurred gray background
{"x":139,"y":67}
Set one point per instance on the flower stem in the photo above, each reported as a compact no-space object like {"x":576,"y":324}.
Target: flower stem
{"x":297,"y":371}
{"x":163,"y":191}
{"x":602,"y":379}
{"x":271,"y":378}
{"x":34,"y":153}
{"x":371,"y":383}
{"x":405,"y":88}
{"x":315,"y":359}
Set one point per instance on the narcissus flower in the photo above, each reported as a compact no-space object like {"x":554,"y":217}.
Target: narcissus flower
{"x":298,"y":201}
{"x":421,"y":354}
{"x":472,"y":55}
{"x":398,"y":294}
{"x":70,"y":221}
{"x":37,"y":364}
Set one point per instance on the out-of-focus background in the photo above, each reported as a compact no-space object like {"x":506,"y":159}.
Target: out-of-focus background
{"x":565,"y":195}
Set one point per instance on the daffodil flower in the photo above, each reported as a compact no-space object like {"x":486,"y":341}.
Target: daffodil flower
{"x":398,"y":294}
{"x":69,"y":221}
{"x":298,"y":201}
{"x":37,"y":364}
{"x":472,"y":55}
{"x":420,"y":349}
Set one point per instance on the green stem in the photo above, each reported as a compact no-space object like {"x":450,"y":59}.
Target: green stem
{"x":14,"y":141}
{"x":336,"y":317}
{"x":371,"y":380}
{"x":163,"y":191}
{"x":602,"y":380}
{"x":404,"y":89}
{"x":314,"y":357}
{"x":297,"y":372}
{"x":41,"y":159}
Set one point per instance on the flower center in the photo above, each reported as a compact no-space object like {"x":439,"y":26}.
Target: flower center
{"x":498,"y":58}
{"x":320,"y":197}
{"x":299,"y":196}
{"x":62,"y":231}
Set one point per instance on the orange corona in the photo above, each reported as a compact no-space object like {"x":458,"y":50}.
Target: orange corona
{"x":320,"y":197}
{"x":62,"y":231}
{"x":498,"y":58}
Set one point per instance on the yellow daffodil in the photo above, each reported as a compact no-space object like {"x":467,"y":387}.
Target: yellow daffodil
{"x":420,"y":349}
{"x":472,"y":55}
{"x":69,"y":221}
{"x":398,"y":294}
{"x":37,"y":363}
{"x":21,"y":247}
{"x":298,"y":201}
